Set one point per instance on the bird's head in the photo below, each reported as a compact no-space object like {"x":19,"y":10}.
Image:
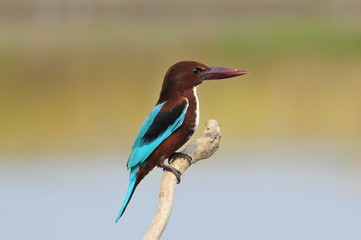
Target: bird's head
{"x":188,"y":74}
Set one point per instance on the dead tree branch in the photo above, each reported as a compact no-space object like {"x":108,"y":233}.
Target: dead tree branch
{"x":202,"y":148}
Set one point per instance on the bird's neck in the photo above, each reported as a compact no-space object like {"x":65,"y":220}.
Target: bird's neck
{"x":189,"y":93}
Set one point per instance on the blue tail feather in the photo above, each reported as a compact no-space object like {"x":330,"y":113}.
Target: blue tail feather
{"x":130,"y":191}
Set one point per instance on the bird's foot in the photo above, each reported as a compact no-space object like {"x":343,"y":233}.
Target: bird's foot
{"x":174,"y":171}
{"x":179,"y":155}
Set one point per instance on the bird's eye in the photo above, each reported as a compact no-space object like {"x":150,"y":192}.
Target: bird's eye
{"x":197,"y":70}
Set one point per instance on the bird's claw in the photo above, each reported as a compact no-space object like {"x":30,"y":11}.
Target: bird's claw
{"x":179,"y":155}
{"x":174,"y":171}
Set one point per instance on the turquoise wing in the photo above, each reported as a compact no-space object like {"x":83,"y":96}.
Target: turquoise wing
{"x":164,"y":119}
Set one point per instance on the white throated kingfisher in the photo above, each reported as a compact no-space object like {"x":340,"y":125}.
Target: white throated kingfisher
{"x":172,"y":121}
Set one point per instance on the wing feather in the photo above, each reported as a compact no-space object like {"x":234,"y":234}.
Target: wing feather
{"x":164,"y":119}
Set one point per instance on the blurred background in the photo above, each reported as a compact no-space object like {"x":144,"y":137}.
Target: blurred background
{"x":77,"y":79}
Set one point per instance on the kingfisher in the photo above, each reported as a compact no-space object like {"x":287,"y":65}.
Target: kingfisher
{"x":171,"y":123}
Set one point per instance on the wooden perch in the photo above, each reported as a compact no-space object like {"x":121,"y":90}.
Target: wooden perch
{"x":204,"y":147}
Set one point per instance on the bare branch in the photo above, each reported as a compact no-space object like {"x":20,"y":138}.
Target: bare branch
{"x":202,"y":148}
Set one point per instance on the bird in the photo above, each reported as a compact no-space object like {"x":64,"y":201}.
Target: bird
{"x":171,"y":122}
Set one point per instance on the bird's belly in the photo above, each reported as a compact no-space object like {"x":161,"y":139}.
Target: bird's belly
{"x":191,"y":122}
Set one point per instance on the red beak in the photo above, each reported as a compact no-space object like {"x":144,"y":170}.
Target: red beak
{"x":220,"y":72}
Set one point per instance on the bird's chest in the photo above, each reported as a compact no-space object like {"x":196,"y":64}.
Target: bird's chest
{"x":196,"y":112}
{"x":192,"y":117}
